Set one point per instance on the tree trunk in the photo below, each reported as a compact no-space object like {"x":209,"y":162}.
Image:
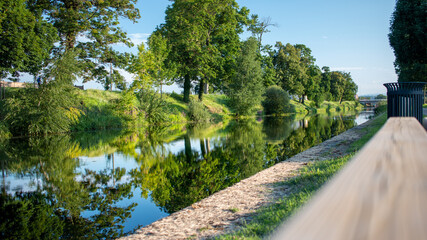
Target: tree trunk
{"x":70,"y":40}
{"x":161,"y":90}
{"x":188,"y":151}
{"x":202,"y":147}
{"x":187,"y":88}
{"x":208,"y":145}
{"x":201,"y":85}
{"x":206,"y":88}
{"x":303,"y":98}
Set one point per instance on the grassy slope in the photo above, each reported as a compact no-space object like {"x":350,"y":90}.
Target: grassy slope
{"x":308,"y":180}
{"x":217,"y":105}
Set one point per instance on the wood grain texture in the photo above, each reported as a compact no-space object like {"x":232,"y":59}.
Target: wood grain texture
{"x":380,"y":194}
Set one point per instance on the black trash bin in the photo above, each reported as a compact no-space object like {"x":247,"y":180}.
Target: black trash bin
{"x":405,"y":99}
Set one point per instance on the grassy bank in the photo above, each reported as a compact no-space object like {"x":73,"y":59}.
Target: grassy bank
{"x":217,"y":105}
{"x":115,"y":110}
{"x":301,"y":188}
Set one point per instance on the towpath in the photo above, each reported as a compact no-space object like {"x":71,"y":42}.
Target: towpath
{"x":228,"y":209}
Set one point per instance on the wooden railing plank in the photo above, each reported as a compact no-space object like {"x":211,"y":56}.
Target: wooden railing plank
{"x":380,"y":194}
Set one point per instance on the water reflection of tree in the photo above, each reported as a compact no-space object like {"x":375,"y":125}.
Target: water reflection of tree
{"x":178,"y":180}
{"x":318,"y":129}
{"x":277,"y":128}
{"x":61,"y":193}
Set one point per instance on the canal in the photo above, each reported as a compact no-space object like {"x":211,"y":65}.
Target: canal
{"x":107,"y":184}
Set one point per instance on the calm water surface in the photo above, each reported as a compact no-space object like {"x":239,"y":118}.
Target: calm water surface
{"x":106,"y":184}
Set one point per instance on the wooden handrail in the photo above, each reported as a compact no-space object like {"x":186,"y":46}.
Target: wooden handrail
{"x":380,"y":194}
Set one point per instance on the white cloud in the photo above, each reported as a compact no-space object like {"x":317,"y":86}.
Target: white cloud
{"x":138,"y":38}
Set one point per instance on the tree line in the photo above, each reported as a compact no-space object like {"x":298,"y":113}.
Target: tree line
{"x":198,"y":47}
{"x":202,"y":51}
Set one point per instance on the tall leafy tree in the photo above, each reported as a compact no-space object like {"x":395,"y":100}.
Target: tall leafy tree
{"x":342,"y":86}
{"x":92,"y":26}
{"x":289,"y":70}
{"x":295,"y":69}
{"x":337,"y":85}
{"x":325,"y":83}
{"x":350,"y":89}
{"x":26,"y":39}
{"x":311,"y":73}
{"x":246,"y":89}
{"x":312,"y":88}
{"x":204,"y":38}
{"x":408,"y":38}
{"x":162,"y":72}
{"x":267,"y":66}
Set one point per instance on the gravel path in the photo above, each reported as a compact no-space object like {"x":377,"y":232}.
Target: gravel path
{"x":228,"y":209}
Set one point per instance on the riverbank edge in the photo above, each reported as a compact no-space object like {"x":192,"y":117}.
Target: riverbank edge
{"x":101,"y":111}
{"x":227,"y":210}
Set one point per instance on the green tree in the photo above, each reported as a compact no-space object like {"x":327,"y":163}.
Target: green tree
{"x":26,"y":39}
{"x":204,"y":38}
{"x":310,"y":76}
{"x":92,"y":26}
{"x":325,"y":83}
{"x":350,"y":88}
{"x":143,"y":65}
{"x":408,"y":38}
{"x":342,"y":86}
{"x":337,"y":85}
{"x":162,"y":74}
{"x":48,"y":109}
{"x":276,"y":101}
{"x":246,"y":89}
{"x":267,"y":66}
{"x":312,"y":89}
{"x":381,"y":96}
{"x":150,"y":64}
{"x":289,"y":70}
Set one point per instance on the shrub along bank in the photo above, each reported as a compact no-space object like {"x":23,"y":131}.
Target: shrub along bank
{"x":98,"y":109}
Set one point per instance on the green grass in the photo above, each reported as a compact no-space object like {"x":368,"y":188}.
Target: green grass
{"x":234,"y":210}
{"x":101,"y":113}
{"x":300,"y":189}
{"x":97,"y":98}
{"x":370,"y":131}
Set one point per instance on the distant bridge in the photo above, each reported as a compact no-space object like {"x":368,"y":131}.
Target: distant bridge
{"x":372,"y":102}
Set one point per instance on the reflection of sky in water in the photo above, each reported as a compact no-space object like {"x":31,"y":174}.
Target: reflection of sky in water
{"x":363,"y":117}
{"x":146,"y":211}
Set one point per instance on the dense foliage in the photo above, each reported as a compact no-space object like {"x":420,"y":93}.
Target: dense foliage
{"x":207,"y":57}
{"x":276,"y":101}
{"x":408,"y":38}
{"x":204,"y":40}
{"x":197,"y":112}
{"x":246,"y":89}
{"x":26,"y":39}
{"x":51,"y":108}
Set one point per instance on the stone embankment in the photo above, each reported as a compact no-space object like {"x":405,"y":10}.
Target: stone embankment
{"x":228,"y":209}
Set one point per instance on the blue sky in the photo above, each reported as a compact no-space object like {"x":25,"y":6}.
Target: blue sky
{"x":344,"y":35}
